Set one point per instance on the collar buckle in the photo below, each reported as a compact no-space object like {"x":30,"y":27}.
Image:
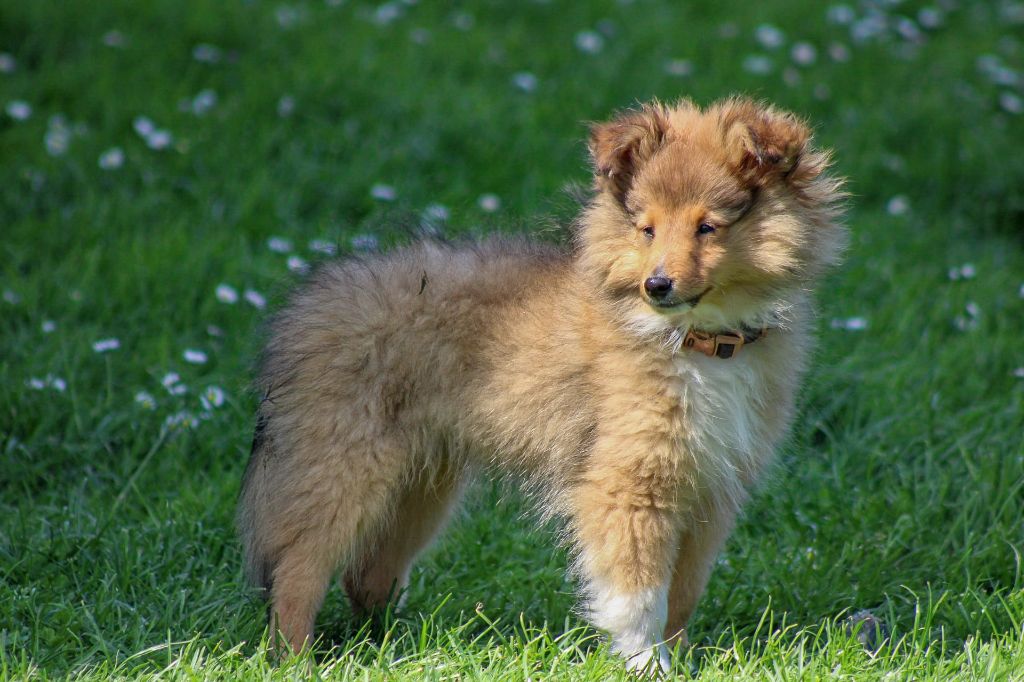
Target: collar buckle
{"x":727,"y":345}
{"x":722,"y":346}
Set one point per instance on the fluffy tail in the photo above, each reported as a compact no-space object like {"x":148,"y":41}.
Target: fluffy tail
{"x":252,"y":507}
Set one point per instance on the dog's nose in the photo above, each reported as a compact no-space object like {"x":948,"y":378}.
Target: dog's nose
{"x":657,"y":287}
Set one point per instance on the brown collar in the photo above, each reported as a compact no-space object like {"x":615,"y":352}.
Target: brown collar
{"x":724,"y":345}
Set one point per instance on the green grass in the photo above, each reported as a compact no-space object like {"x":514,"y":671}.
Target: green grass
{"x":902,"y":490}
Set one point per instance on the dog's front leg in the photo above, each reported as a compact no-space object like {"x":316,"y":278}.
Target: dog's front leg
{"x":625,"y":524}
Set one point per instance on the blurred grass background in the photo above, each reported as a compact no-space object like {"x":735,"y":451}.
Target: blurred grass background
{"x":153,"y":152}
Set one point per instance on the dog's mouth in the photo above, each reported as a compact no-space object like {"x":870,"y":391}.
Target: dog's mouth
{"x":691,"y":302}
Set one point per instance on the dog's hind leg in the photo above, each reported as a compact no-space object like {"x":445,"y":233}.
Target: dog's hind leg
{"x":381,"y":574}
{"x":326,"y":509}
{"x":301,"y":578}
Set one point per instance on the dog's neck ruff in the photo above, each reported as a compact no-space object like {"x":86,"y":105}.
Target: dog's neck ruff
{"x":723,"y":345}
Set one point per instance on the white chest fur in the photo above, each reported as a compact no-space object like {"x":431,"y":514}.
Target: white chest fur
{"x":725,"y":429}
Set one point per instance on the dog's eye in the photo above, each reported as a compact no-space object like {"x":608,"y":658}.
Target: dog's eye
{"x":649,"y":231}
{"x":705,"y":228}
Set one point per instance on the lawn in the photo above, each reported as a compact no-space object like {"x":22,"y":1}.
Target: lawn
{"x":170,"y":168}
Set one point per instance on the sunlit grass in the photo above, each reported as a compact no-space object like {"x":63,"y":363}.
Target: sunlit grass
{"x":170,"y":169}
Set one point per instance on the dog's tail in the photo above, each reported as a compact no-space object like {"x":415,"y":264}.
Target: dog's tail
{"x":253,"y":504}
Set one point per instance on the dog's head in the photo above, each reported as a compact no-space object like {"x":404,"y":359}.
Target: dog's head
{"x":708,"y":214}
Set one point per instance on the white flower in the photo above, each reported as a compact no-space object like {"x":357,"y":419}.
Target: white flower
{"x":48,"y":326}
{"x":365,"y":242}
{"x":146,"y":400}
{"x":7,"y":63}
{"x":988,"y":63}
{"x":965,"y":324}
{"x":758,"y":64}
{"x":178,"y":389}
{"x":181,"y":420}
{"x":11,"y":297}
{"x":433,"y":218}
{"x":19,"y":110}
{"x":855,"y":324}
{"x":840,"y":14}
{"x":839,"y":52}
{"x":436,"y":213}
{"x":1021,"y":291}
{"x":155,"y":138}
{"x":463,"y":21}
{"x":279,"y":244}
{"x":50,"y":381}
{"x":288,"y":16}
{"x":169,"y":380}
{"x":678,"y":67}
{"x":908,"y":30}
{"x":1011,"y":102}
{"x":286,"y":106}
{"x":804,"y":54}
{"x":159,"y":139}
{"x":1012,"y":12}
{"x":206,"y":53}
{"x":525,"y":81}
{"x":323,"y":246}
{"x":387,"y":13}
{"x":770,"y":37}
{"x":867,"y":28}
{"x":203,"y":102}
{"x":965,"y":271}
{"x":194,"y":356}
{"x":898,"y":205}
{"x":105,"y":345}
{"x":590,"y":42}
{"x":1019,"y":372}
{"x":57,"y":138}
{"x":383,"y":192}
{"x":255,"y":298}
{"x":930,"y":17}
{"x":112,"y":159}
{"x":143,"y":126}
{"x":489,"y":202}
{"x":971,"y":321}
{"x":226,"y":294}
{"x":211,"y":397}
{"x":298,"y":265}
{"x":114,"y":38}
{"x":1004,"y":75}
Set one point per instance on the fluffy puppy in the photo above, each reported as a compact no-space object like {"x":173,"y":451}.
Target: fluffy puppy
{"x":638,"y":381}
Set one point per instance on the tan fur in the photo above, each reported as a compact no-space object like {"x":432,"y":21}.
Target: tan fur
{"x":388,"y":378}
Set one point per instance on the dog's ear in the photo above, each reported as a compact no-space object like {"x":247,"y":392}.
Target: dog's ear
{"x":762,"y":142}
{"x":621,"y":146}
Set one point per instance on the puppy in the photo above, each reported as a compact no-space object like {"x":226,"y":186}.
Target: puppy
{"x":638,"y":382}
